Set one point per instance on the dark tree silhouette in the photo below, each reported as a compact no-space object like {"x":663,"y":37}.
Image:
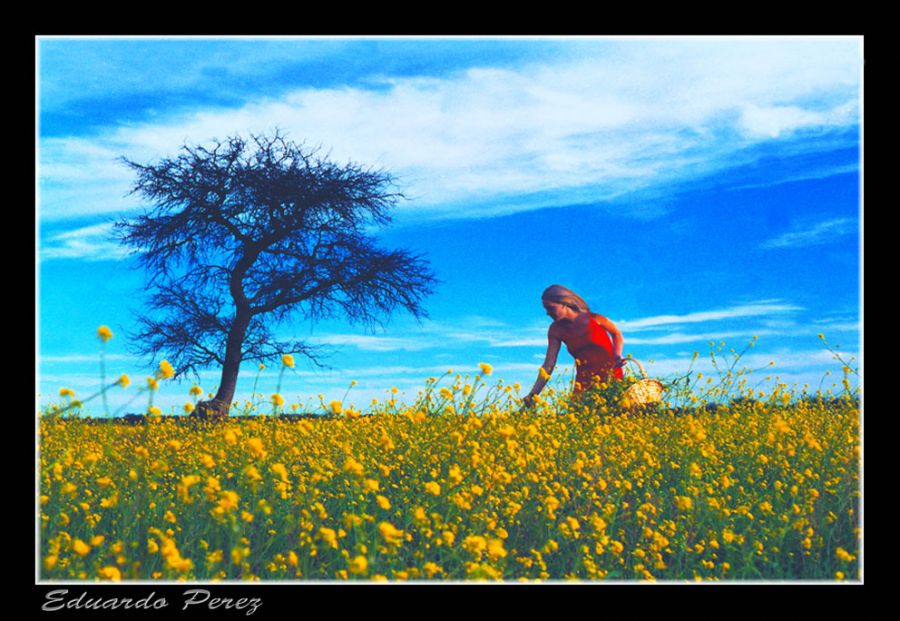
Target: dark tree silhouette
{"x":246,"y":233}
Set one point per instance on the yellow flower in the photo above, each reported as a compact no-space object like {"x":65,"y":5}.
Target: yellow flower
{"x":188,"y":407}
{"x":358,"y":565}
{"x":255,"y":448}
{"x":352,"y":466}
{"x":551,"y":502}
{"x":485,"y":368}
{"x":124,"y":381}
{"x":506,"y":431}
{"x":166,"y":371}
{"x":483,"y":571}
{"x":454,"y":475}
{"x":391,"y":533}
{"x":81,"y":547}
{"x":683,"y":502}
{"x":66,"y":392}
{"x":104,"y":333}
{"x":280,"y":470}
{"x":476,"y":544}
{"x":252,"y":473}
{"x":329,"y":536}
{"x":431,"y":569}
{"x":336,"y":407}
{"x":277,"y":400}
{"x":195,"y":391}
{"x":238,"y":553}
{"x":152,"y":384}
{"x":228,"y":501}
{"x":154,"y":411}
{"x":111,"y":573}
{"x":495,"y":548}
{"x":287,"y":360}
{"x":433,"y":488}
{"x":843,"y":555}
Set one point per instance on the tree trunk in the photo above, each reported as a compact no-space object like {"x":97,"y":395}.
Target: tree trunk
{"x":219,"y":406}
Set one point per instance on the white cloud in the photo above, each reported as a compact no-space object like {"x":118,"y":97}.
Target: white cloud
{"x":677,"y":338}
{"x":523,"y":342}
{"x":78,"y":358}
{"x":774,"y":121}
{"x":91,"y":243}
{"x":756,"y":309}
{"x":816,"y":234}
{"x":495,"y":334}
{"x":784,"y":362}
{"x":830,"y":326}
{"x":635,"y":116}
{"x":367,"y":342}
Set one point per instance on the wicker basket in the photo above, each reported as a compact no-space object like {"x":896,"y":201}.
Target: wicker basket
{"x":644,"y":391}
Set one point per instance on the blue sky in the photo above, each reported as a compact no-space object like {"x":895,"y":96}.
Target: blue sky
{"x":690,"y":189}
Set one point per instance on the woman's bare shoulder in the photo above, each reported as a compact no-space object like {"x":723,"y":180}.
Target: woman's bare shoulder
{"x":555,"y":331}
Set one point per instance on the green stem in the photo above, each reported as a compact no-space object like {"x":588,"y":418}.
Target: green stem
{"x":103,"y":378}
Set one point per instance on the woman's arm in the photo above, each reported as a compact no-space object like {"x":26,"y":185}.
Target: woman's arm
{"x":617,"y":341}
{"x":553,"y":346}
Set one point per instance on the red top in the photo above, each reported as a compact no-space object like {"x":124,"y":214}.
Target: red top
{"x":600,"y":366}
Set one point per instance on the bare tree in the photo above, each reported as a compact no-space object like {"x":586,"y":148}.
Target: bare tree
{"x":247,"y":233}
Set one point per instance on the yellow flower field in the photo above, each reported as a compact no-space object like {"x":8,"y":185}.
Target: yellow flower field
{"x":443,"y":490}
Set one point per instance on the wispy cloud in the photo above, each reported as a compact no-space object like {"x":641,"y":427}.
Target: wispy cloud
{"x":495,"y":334}
{"x":771,"y":121}
{"x":90,"y":243}
{"x":831,"y":325}
{"x":815,"y":234}
{"x":431,"y":337}
{"x":632,"y":115}
{"x":756,"y":309}
{"x":377,"y":343}
{"x":774,"y":363}
{"x":78,"y":358}
{"x":678,"y":338}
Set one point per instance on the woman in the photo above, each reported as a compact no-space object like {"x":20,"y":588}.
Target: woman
{"x":592,"y":339}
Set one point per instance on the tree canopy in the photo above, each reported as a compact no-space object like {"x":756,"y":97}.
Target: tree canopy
{"x":244,"y":234}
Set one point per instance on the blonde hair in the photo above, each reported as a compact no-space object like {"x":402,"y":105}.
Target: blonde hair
{"x":567,"y":297}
